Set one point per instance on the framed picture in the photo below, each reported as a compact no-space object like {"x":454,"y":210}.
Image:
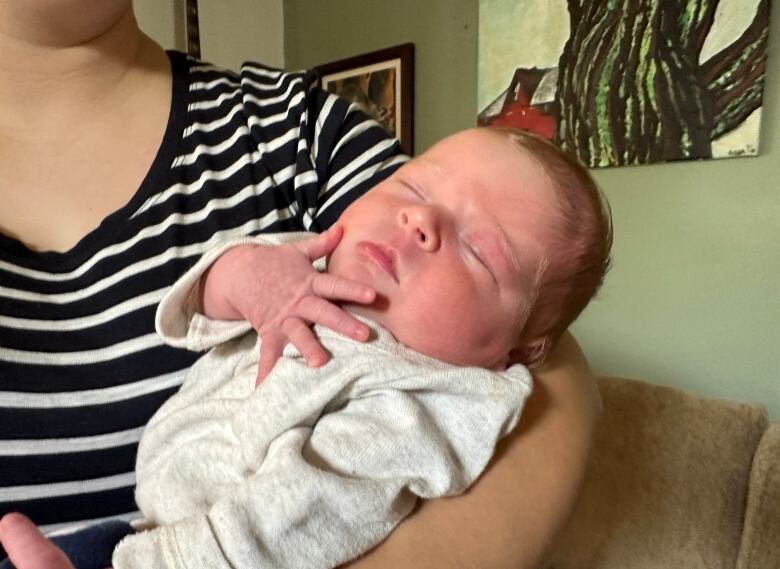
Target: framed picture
{"x":187,"y":27}
{"x":627,"y":82}
{"x":382,"y":83}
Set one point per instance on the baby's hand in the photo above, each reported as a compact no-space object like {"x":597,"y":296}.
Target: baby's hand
{"x":26,"y":546}
{"x":279,"y":292}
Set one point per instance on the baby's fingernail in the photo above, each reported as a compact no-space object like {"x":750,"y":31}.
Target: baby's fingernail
{"x":360,"y":333}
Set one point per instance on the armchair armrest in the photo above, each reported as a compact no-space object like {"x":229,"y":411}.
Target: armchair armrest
{"x":760,"y":545}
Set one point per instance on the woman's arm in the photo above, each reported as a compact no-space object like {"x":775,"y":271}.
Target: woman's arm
{"x":511,"y":516}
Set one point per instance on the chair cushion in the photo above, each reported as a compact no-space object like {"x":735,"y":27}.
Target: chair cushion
{"x":667,"y":482}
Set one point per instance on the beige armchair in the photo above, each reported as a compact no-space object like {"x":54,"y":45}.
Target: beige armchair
{"x":677,"y":481}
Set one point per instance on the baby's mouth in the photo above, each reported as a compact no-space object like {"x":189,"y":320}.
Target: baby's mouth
{"x":381,"y":255}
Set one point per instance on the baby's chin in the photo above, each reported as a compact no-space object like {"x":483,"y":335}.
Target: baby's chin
{"x":377,"y":311}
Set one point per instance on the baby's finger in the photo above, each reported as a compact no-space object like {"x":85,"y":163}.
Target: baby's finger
{"x":27,"y":547}
{"x":319,"y":311}
{"x":270,"y":351}
{"x":302,"y":337}
{"x":322,"y":244}
{"x":330,"y":286}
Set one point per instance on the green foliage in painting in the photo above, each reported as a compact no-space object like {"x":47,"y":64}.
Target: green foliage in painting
{"x":631,"y":89}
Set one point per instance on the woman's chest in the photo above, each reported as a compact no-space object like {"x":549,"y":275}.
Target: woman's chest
{"x":57,"y":188}
{"x":53,"y":208}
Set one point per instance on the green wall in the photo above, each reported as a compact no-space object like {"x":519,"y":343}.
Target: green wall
{"x":693,"y":300}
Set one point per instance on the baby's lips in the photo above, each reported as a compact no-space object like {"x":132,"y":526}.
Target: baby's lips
{"x":382,"y":255}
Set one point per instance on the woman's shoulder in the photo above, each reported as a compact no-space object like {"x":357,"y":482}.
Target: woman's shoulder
{"x":251,"y":78}
{"x":273,"y":108}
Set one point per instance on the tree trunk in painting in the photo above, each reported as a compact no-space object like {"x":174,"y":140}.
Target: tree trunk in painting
{"x":631,"y":89}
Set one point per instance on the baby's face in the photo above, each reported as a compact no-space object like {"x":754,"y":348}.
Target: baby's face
{"x":452,"y":243}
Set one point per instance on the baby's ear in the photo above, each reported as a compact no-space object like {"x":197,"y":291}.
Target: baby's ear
{"x":532,"y":353}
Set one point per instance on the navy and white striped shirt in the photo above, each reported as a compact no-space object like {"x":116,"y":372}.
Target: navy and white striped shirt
{"x":81,"y":368}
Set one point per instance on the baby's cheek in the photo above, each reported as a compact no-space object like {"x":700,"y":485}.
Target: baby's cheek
{"x":436,"y":322}
{"x":341,"y":266}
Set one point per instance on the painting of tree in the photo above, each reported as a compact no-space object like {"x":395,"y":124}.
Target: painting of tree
{"x":632,"y":87}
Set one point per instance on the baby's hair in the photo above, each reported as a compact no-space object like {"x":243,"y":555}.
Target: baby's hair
{"x":575,"y":268}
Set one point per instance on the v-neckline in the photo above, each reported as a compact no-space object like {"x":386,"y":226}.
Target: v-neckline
{"x":15,"y":251}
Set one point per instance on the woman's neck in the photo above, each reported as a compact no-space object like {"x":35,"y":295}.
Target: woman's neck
{"x":55,"y":76}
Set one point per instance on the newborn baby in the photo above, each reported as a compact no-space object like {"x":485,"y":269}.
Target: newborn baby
{"x":481,"y":251}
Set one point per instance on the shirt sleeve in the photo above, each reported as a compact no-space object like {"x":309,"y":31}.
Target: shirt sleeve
{"x":326,"y":494}
{"x":350,"y":153}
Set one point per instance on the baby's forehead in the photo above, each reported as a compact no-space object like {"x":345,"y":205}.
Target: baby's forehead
{"x":489,"y":169}
{"x":424,"y":165}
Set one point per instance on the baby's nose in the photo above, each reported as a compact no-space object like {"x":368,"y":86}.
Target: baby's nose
{"x":423,"y":224}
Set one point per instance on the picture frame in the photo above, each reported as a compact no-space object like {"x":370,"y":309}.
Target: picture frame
{"x":186,"y":26}
{"x":382,"y":83}
{"x":192,"y":27}
{"x":684,"y":84}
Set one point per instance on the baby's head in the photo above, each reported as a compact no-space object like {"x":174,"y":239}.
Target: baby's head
{"x":482,"y":250}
